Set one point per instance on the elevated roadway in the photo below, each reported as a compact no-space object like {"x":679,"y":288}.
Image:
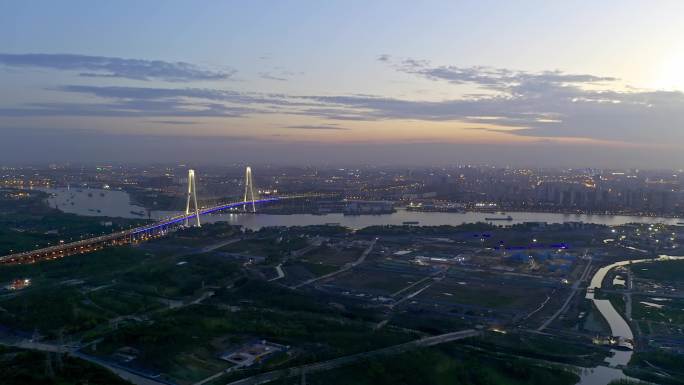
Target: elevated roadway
{"x":128,"y":236}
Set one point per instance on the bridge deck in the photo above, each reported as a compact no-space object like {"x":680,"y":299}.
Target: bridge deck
{"x":58,"y":251}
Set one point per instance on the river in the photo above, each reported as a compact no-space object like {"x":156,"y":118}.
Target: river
{"x":114,"y":203}
{"x":618,"y":325}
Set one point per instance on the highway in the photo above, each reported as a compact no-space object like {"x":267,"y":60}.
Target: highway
{"x":126,"y":236}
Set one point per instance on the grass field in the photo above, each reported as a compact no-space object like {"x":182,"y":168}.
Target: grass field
{"x":447,"y":365}
{"x":23,"y":367}
{"x":671,"y":312}
{"x":172,"y":340}
{"x":672,"y":271}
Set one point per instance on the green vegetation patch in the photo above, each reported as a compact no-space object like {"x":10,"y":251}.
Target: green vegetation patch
{"x":447,"y":365}
{"x":670,"y":310}
{"x":660,"y":271}
{"x":23,"y":367}
{"x":179,"y":276}
{"x":170,"y":339}
{"x":657,"y":366}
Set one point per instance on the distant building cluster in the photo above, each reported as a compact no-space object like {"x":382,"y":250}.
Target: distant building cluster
{"x":375,"y":190}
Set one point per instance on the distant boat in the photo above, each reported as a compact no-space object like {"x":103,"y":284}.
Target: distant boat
{"x":507,"y":218}
{"x":409,"y":223}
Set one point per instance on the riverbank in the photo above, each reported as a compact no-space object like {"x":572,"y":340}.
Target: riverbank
{"x":619,"y":327}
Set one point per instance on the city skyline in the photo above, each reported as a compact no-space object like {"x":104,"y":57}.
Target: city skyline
{"x":341,"y":192}
{"x":308,"y":83}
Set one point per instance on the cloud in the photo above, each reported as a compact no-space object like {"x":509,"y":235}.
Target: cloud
{"x":269,"y":76}
{"x":173,"y":122}
{"x":547,"y":104}
{"x":113,"y":101}
{"x":113,"y":67}
{"x":541,"y":104}
{"x":545,"y":110}
{"x":318,"y":127}
{"x":129,"y":108}
{"x":278,"y":74}
{"x":493,"y":78}
{"x":85,"y":146}
{"x":140,"y":102}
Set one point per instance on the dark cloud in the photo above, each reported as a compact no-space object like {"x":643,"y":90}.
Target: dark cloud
{"x":318,"y":127}
{"x":269,"y":76}
{"x":129,"y":108}
{"x":546,"y":110}
{"x":547,"y":104}
{"x":113,"y":67}
{"x":279,"y":74}
{"x":155,"y":102}
{"x":543,"y":104}
{"x":84,"y":146}
{"x":493,"y":78}
{"x":174,"y":122}
{"x":149,"y":93}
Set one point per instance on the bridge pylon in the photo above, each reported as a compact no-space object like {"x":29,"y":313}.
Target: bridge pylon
{"x":249,"y":190}
{"x":192,"y":195}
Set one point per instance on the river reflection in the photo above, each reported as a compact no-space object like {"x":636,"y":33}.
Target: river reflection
{"x":601,"y":375}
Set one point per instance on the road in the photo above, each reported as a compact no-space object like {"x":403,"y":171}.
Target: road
{"x":215,"y":246}
{"x":346,"y":267}
{"x":347,"y":360}
{"x":628,"y":296}
{"x":575,"y":288}
{"x":125,"y":373}
{"x":435,"y":277}
{"x":396,"y":293}
{"x":281,"y":273}
{"x":126,"y":236}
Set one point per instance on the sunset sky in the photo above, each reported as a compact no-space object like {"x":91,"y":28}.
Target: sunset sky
{"x":312,"y":82}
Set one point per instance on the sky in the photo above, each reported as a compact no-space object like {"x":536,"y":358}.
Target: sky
{"x":524,"y":83}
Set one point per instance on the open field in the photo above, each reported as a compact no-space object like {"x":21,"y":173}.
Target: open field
{"x":172,"y":306}
{"x":671,"y":271}
{"x":375,"y":280}
{"x":23,"y":367}
{"x":444,"y":365}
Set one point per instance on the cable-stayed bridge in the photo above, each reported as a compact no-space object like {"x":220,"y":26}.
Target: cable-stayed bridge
{"x":149,"y":231}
